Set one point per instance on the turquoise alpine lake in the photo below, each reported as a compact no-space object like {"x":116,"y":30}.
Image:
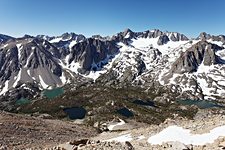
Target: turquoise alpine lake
{"x":50,"y":94}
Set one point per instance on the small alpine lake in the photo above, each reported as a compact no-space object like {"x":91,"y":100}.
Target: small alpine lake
{"x":125,"y":112}
{"x":144,"y":103}
{"x":75,"y":112}
{"x":50,"y":94}
{"x":202,"y":104}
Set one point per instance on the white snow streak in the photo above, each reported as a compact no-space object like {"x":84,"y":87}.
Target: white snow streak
{"x":175,"y":133}
{"x":56,"y":40}
{"x":19,"y":47}
{"x":18,"y":77}
{"x":5,"y":88}
{"x":43,"y":84}
{"x":72,"y":43}
{"x":123,"y":138}
{"x":63,"y":78}
{"x":110,"y":127}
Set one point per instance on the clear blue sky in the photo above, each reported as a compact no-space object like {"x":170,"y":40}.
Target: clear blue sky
{"x":107,"y":17}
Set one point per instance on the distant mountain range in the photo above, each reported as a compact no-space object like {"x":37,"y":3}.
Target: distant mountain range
{"x":193,"y":68}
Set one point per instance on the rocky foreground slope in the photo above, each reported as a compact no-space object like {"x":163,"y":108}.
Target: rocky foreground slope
{"x":23,"y":132}
{"x":139,"y":138}
{"x":41,"y":132}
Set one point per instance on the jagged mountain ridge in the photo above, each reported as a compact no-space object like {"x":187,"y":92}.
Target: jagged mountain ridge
{"x":4,"y":38}
{"x":137,"y":58}
{"x":206,"y":36}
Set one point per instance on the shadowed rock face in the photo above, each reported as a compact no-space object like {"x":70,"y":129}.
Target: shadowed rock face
{"x":156,"y":33}
{"x":101,"y":38}
{"x":92,"y":51}
{"x":202,"y":52}
{"x":219,"y":38}
{"x":163,"y":40}
{"x":63,"y":43}
{"x":8,"y":63}
{"x":204,"y":36}
{"x":177,"y":37}
{"x":67,"y":38}
{"x":29,"y":54}
{"x":40,"y":53}
{"x":173,"y":36}
{"x":124,"y":37}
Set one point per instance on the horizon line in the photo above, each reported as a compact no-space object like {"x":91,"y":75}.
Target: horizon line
{"x":104,"y":35}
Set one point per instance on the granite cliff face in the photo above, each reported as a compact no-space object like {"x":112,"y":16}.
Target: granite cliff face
{"x":25,"y":59}
{"x":201,"y":52}
{"x":206,"y":36}
{"x":92,"y":54}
